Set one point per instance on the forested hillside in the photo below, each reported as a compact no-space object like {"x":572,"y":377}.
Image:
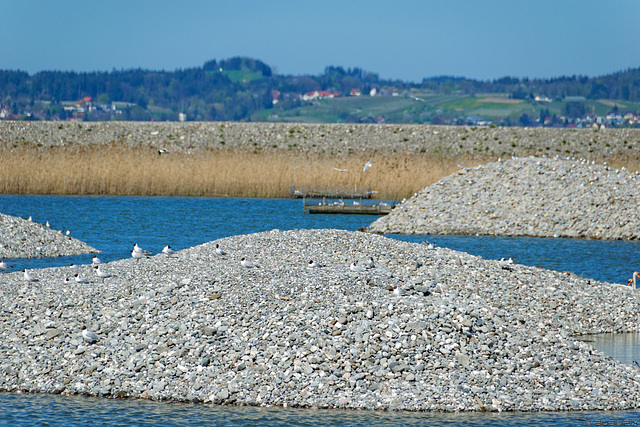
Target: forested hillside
{"x":246,"y":89}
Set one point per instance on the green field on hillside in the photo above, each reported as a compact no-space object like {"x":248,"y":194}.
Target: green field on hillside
{"x":423,"y":108}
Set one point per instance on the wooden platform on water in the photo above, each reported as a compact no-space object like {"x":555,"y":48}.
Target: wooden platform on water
{"x":340,"y":201}
{"x":344,"y":208}
{"x":330,"y":193}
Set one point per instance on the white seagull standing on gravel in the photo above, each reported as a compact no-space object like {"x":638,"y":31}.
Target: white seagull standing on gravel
{"x":79,"y":279}
{"x":355,"y":267}
{"x":28,"y":277}
{"x":369,"y":263}
{"x":430,"y":245}
{"x":101,"y":274}
{"x":247,"y":264}
{"x":168,"y":251}
{"x":89,"y":336}
{"x":137,"y":248}
{"x":219,"y":250}
{"x":313,"y":264}
{"x":137,"y":255}
{"x":505,"y":263}
{"x":400,"y":292}
{"x":4,"y":265}
{"x":96,"y":260}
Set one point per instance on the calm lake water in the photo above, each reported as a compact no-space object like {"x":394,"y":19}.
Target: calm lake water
{"x":113,"y":224}
{"x":45,"y":410}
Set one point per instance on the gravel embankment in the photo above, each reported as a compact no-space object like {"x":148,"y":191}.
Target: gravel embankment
{"x":524,"y":197}
{"x":21,"y":238}
{"x":468,"y":335}
{"x":329,"y":139}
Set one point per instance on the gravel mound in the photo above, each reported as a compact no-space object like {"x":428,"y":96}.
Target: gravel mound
{"x":21,"y":238}
{"x":421,"y":330}
{"x":524,"y":197}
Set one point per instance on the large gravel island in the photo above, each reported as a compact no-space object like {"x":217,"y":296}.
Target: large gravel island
{"x":531,"y":196}
{"x":21,"y":238}
{"x":421,"y":330}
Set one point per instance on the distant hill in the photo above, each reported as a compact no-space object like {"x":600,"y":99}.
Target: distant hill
{"x":247,"y":89}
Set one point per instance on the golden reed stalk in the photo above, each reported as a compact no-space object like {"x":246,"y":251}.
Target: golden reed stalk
{"x":108,"y":170}
{"x":115,"y":170}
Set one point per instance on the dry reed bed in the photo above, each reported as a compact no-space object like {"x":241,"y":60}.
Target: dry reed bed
{"x":266,"y":159}
{"x":140,"y":171}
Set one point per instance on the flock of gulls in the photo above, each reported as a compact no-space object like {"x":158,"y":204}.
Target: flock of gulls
{"x":138,"y":253}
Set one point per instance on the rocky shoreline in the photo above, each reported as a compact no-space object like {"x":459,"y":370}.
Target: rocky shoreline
{"x":621,"y":145}
{"x":22,"y":238}
{"x":422,"y":330}
{"x":524,"y":197}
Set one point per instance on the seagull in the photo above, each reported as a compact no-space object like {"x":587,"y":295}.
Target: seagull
{"x":219,"y":250}
{"x":168,"y":251}
{"x":632,"y":281}
{"x":96,"y":260}
{"x":313,"y":264}
{"x":73,"y":266}
{"x":430,"y":246}
{"x":137,"y":248}
{"x":67,"y":233}
{"x":505,"y":263}
{"x":101,"y":274}
{"x":369,"y":263}
{"x":30,"y":218}
{"x":355,"y":267}
{"x":367,"y":166}
{"x":89,"y":336}
{"x":137,"y":255}
{"x":4,"y":265}
{"x":48,"y":225}
{"x":162,"y":151}
{"x":400,"y":292}
{"x":79,"y":279}
{"x":341,"y":170}
{"x":67,"y":281}
{"x":247,"y":264}
{"x":28,"y":277}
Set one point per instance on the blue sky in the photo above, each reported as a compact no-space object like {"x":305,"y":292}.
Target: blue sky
{"x":402,"y":39}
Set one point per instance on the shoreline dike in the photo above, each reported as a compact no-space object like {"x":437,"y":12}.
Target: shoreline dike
{"x":598,"y":145}
{"x":423,"y":330}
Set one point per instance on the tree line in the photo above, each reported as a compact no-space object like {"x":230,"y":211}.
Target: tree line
{"x":239,"y":88}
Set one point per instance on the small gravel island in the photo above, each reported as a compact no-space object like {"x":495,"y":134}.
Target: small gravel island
{"x":538,"y":197}
{"x":22,"y":238}
{"x":318,"y":318}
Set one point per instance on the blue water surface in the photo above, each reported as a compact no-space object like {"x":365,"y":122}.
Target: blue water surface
{"x":51,"y":410}
{"x":113,"y":224}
